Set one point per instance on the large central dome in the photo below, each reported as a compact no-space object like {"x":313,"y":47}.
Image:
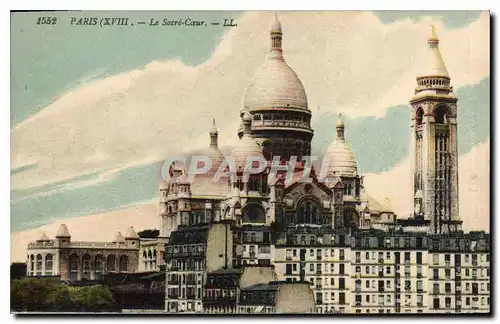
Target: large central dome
{"x":275,"y":84}
{"x":277,"y":103}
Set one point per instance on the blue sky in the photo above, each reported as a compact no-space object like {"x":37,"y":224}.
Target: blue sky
{"x":48,"y":62}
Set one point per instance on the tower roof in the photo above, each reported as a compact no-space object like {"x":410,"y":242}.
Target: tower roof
{"x":132,"y":234}
{"x":119,"y":237}
{"x":63,"y":231}
{"x":275,"y":24}
{"x":434,"y":63}
{"x":275,"y":84}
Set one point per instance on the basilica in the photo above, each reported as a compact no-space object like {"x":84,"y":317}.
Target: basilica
{"x":258,"y":244}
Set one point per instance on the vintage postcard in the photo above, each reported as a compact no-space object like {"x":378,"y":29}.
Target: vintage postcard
{"x":242,"y":163}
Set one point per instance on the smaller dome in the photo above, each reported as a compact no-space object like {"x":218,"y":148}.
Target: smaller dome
{"x":247,"y":146}
{"x":215,"y":155}
{"x":342,"y":160}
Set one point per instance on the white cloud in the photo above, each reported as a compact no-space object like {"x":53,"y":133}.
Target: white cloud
{"x":474,"y":187}
{"x":348,"y":61}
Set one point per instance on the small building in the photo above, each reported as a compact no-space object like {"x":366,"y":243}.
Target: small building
{"x":77,"y":261}
{"x":277,"y":297}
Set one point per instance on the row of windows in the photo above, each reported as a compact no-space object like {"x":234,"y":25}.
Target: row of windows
{"x":474,"y":258}
{"x":316,"y":267}
{"x":40,"y":265}
{"x":187,"y":265}
{"x":397,"y":255}
{"x":483,"y":273}
{"x":316,"y":252}
{"x":382,"y":300}
{"x":387,"y":284}
{"x":473,"y":302}
{"x":379,"y":270}
{"x":485,"y":287}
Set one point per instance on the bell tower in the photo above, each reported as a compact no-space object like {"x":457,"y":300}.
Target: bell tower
{"x":434,"y":145}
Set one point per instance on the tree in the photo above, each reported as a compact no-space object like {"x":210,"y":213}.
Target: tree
{"x":49,"y":295}
{"x":149,"y":233}
{"x":17,"y":270}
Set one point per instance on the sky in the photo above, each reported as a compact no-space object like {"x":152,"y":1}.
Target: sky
{"x":95,"y":110}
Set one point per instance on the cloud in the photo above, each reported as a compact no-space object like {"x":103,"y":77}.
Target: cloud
{"x":474,"y":187}
{"x":348,"y":61}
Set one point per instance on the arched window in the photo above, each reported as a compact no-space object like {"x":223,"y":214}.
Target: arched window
{"x":123,"y":263}
{"x":99,"y":267}
{"x":150,"y":258}
{"x":111,"y":263}
{"x":32,"y":264}
{"x":351,"y":218}
{"x":308,"y":212}
{"x":254,"y":213}
{"x":39,"y":262}
{"x":144,"y":255}
{"x":419,"y":116}
{"x":86,"y":266}
{"x":49,"y":263}
{"x":440,"y":115}
{"x":74,"y":267}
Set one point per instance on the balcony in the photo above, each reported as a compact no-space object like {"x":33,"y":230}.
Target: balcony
{"x":173,"y":282}
{"x":381,"y":260}
{"x":318,"y":272}
{"x":173,"y":296}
